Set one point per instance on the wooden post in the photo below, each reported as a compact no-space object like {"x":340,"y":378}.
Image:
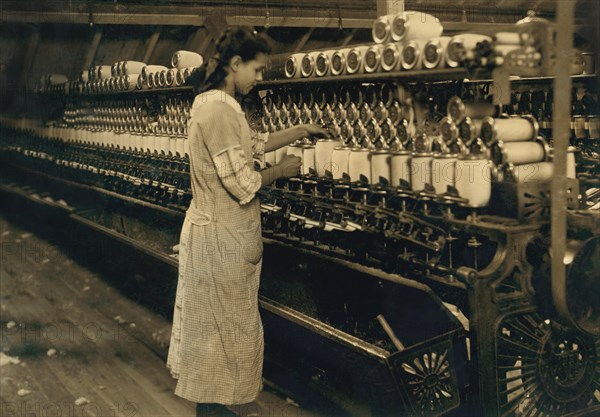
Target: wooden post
{"x":389,"y":7}
{"x":150,"y":46}
{"x":561,"y":120}
{"x":215,"y":25}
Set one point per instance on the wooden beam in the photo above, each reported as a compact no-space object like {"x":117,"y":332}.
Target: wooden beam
{"x":304,"y":39}
{"x":348,"y":38}
{"x":151,"y":46}
{"x":202,"y":48}
{"x":318,"y":22}
{"x":102,"y":18}
{"x":91,"y":52}
{"x":195,"y":40}
{"x":215,"y":24}
{"x":32,"y":45}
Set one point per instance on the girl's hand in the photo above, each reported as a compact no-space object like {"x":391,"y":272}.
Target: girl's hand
{"x":289,"y":166}
{"x":316,"y":130}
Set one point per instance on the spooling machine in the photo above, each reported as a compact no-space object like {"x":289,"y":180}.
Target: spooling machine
{"x":462,"y":206}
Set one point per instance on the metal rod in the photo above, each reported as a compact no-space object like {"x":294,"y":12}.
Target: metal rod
{"x":390,"y":333}
{"x":561,"y":118}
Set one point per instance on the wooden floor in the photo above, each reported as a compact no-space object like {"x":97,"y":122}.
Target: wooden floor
{"x":110,"y":351}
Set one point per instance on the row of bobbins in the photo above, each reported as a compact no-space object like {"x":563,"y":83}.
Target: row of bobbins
{"x":128,"y":116}
{"x":431,"y":167}
{"x":125,"y":76}
{"x":374,"y":115}
{"x":436,"y":52}
{"x":150,"y":143}
{"x":513,"y":144}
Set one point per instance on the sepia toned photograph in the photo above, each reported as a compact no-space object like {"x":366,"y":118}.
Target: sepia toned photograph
{"x":281,"y":208}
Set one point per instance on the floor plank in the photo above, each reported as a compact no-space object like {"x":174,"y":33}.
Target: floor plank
{"x":109,"y":349}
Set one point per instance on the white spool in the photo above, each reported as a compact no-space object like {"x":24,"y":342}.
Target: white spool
{"x":391,"y":56}
{"x":165,"y":144}
{"x":280,"y":153}
{"x":323,"y":153}
{"x":295,"y":149}
{"x":372,"y":58}
{"x":593,"y":129}
{"x":148,"y":69}
{"x":381,"y":161}
{"x":381,"y":31}
{"x":323,"y":63}
{"x":132,"y":67}
{"x":355,"y":62}
{"x":469,"y":129}
{"x":434,"y":52}
{"x":308,"y":159}
{"x":184,"y":59}
{"x":571,"y":165}
{"x":400,"y":169}
{"x":340,"y":162}
{"x":462,"y":47}
{"x":536,"y":172}
{"x":514,"y":129}
{"x":513,"y":38}
{"x":338,"y":61}
{"x":474,"y":179}
{"x":130,"y":81}
{"x":359,"y":163}
{"x":420,"y":170}
{"x":413,"y":25}
{"x":518,"y":152}
{"x":308,"y":64}
{"x":173,"y":145}
{"x":138,"y":142}
{"x":443,"y":172}
{"x":292,"y":66}
{"x":412,"y":54}
{"x":186,"y":147}
{"x":181,"y":146}
{"x":104,"y":72}
{"x":54,"y":79}
{"x":151,"y":142}
{"x":270,"y":157}
{"x":459,"y":110}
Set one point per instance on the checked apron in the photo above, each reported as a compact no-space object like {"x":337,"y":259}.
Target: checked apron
{"x":216,"y":350}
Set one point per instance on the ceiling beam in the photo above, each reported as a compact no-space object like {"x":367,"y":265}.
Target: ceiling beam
{"x":176,"y":19}
{"x":300,"y":22}
{"x":101,"y":18}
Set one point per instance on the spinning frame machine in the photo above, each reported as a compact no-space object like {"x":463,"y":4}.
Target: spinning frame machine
{"x":423,"y":208}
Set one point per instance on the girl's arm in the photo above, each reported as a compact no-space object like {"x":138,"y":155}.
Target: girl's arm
{"x":285,"y":137}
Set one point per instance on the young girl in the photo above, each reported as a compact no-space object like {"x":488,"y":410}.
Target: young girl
{"x":216,"y":349}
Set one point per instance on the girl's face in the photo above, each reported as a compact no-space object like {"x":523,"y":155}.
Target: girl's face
{"x":247,"y":74}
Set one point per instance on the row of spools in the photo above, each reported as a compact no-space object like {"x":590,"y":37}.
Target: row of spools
{"x":410,"y":41}
{"x":129,"y":116}
{"x":152,"y":143}
{"x":125,"y":76}
{"x":473,"y":150}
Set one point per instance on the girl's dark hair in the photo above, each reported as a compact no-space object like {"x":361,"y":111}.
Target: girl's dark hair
{"x":242,"y":41}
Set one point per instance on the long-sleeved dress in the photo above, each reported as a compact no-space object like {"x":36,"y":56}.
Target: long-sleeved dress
{"x":216,"y":350}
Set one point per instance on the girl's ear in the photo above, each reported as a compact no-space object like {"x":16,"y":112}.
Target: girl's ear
{"x":235,"y":62}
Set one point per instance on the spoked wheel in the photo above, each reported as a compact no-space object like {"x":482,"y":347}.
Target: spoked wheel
{"x":545,"y":369}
